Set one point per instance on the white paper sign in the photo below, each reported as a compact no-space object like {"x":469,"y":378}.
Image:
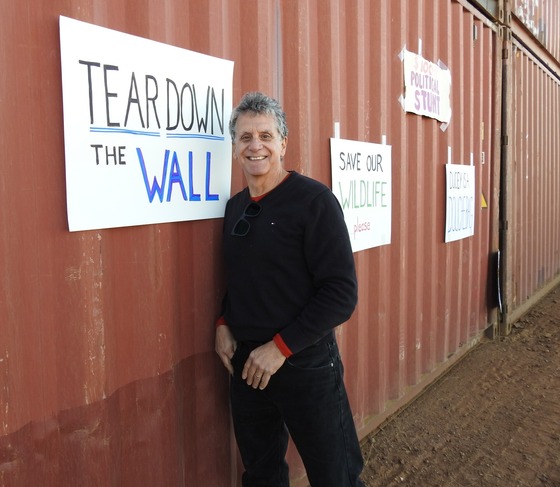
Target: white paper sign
{"x":427,"y":88}
{"x":145,"y":129}
{"x":361,"y":179}
{"x":460,"y":208}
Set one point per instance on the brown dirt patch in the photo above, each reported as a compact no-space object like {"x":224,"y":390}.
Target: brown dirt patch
{"x":493,"y":420}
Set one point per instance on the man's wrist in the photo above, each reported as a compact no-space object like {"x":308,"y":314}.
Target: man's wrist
{"x":284,"y":349}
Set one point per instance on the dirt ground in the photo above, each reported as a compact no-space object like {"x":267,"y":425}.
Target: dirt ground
{"x":493,"y":420}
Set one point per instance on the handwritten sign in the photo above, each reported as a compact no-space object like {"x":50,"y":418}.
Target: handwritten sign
{"x":145,"y":129}
{"x":460,"y":208}
{"x":427,"y":88}
{"x":361,"y":179}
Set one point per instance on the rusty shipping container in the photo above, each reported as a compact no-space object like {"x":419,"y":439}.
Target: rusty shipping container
{"x":531,"y":155}
{"x":108,"y":374}
{"x":539,"y":19}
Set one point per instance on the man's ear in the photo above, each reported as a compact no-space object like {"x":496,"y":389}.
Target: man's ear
{"x":284,"y":144}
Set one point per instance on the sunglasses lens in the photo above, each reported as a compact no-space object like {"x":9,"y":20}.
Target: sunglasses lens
{"x":241,"y":228}
{"x":252,"y":210}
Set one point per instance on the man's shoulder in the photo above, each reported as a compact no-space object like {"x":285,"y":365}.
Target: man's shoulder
{"x":238,"y":199}
{"x":240,"y":194}
{"x":308,"y":184}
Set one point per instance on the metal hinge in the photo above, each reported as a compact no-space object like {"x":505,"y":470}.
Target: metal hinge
{"x":504,"y":32}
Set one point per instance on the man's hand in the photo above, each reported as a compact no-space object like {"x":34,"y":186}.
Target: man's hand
{"x":225,"y":346}
{"x":263,"y":362}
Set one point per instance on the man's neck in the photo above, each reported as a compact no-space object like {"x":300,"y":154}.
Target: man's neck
{"x":261,"y":185}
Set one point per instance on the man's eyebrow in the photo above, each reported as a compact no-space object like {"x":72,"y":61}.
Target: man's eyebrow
{"x":250,"y":132}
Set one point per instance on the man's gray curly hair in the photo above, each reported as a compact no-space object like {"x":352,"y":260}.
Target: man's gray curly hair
{"x":259,"y":104}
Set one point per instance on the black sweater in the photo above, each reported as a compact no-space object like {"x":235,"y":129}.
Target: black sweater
{"x":293,"y":273}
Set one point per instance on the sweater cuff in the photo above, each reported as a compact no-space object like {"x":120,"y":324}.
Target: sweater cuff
{"x":221,"y":321}
{"x":284,"y":349}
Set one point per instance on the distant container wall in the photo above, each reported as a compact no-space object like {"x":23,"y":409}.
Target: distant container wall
{"x":541,"y":18}
{"x":533,"y":185}
{"x":108,"y":374}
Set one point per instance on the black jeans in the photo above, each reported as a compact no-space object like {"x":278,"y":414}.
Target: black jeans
{"x":307,"y":398}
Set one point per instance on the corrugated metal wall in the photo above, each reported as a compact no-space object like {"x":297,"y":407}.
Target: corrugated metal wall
{"x":536,"y":176}
{"x":108,"y":375}
{"x":530,"y":189}
{"x":540,"y":19}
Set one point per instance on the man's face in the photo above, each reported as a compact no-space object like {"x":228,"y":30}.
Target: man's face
{"x":258,"y":145}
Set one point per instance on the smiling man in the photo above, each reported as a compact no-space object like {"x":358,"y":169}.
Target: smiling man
{"x":290,"y":281}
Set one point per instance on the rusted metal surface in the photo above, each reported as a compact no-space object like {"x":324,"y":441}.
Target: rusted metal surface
{"x":531,"y":134}
{"x":108,"y":375}
{"x":535,"y":180}
{"x":541,"y":19}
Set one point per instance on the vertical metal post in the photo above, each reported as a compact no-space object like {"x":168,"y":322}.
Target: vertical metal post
{"x":505,"y":205}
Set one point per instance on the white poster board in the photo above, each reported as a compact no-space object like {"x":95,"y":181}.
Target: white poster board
{"x":427,"y":87}
{"x":361,"y":180}
{"x":145,"y":129}
{"x":460,"y":198}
